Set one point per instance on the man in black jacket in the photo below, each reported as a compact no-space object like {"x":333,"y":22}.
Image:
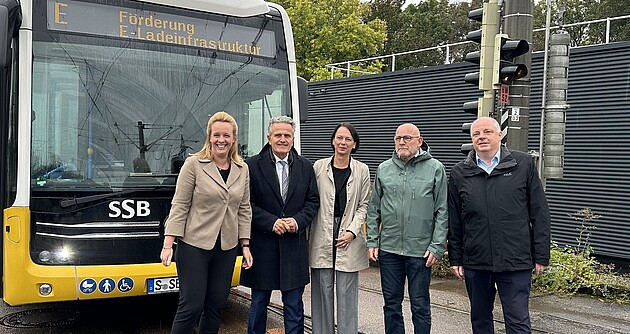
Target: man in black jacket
{"x":284,"y":199}
{"x":499,"y":228}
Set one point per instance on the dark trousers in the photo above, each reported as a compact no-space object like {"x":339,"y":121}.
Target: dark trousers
{"x":205,"y":278}
{"x":513,"y":287}
{"x":293,"y":308}
{"x":394,"y":269}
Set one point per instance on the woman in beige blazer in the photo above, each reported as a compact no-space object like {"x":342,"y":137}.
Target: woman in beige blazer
{"x":337,"y":242}
{"x":210,"y":215}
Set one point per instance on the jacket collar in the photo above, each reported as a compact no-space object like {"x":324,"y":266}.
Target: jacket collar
{"x":213,"y":172}
{"x":425,"y":155}
{"x":266,"y":152}
{"x":268,"y":168}
{"x":506,"y":163}
{"x":329,"y":162}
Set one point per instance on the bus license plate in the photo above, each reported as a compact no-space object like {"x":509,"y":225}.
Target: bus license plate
{"x":162,"y":285}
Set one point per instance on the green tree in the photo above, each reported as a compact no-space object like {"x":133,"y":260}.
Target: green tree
{"x":424,"y":28}
{"x":581,"y":11}
{"x":619,"y":30}
{"x":428,"y":24}
{"x":330,"y":31}
{"x":390,"y":11}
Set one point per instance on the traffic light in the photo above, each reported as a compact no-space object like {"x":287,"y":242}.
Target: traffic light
{"x":489,"y":18}
{"x":505,"y":71}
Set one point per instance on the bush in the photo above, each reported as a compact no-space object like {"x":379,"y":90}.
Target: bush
{"x":442,"y":268}
{"x":575,"y":272}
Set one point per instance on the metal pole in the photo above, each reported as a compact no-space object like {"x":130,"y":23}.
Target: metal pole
{"x":143,"y":148}
{"x":448,"y":55}
{"x":519,"y":24}
{"x":543,"y":105}
{"x":607,"y":30}
{"x":393,"y":63}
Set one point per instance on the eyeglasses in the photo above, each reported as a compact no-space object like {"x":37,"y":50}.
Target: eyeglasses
{"x":405,"y":139}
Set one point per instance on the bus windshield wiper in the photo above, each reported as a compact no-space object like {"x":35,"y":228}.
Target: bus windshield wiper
{"x":64,"y":203}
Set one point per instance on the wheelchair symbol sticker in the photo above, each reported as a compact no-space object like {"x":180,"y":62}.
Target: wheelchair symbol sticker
{"x":125,"y":284}
{"x":87,"y":286}
{"x":106,"y":285}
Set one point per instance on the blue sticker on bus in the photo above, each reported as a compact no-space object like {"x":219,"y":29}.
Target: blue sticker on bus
{"x":125,"y":284}
{"x":106,"y":285}
{"x":87,"y":286}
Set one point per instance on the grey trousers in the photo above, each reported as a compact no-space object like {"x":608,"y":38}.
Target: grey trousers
{"x":323,"y":302}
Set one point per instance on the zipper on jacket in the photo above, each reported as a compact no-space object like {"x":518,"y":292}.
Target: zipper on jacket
{"x":403,"y":219}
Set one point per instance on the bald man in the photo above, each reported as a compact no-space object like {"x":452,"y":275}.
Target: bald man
{"x":407,"y":224}
{"x":499,"y":228}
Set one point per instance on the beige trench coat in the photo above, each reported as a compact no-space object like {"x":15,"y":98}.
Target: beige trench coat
{"x":321,"y":239}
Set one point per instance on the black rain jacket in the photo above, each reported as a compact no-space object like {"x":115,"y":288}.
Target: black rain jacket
{"x":498,"y":222}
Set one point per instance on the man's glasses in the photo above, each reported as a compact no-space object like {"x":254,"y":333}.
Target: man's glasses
{"x":405,"y":139}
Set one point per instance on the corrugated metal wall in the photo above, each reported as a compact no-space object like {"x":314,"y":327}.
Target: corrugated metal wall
{"x":598,"y":131}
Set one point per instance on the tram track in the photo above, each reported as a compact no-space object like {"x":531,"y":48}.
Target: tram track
{"x":276,"y":309}
{"x":594,"y":328}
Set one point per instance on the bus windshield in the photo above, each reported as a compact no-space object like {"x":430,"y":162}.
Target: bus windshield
{"x":117,"y":113}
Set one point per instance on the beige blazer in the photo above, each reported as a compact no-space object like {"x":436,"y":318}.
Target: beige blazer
{"x":321,"y":239}
{"x":203,"y":205}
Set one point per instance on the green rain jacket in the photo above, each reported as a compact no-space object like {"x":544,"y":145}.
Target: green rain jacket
{"x":408,"y":211}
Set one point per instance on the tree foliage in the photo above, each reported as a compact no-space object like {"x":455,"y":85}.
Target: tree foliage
{"x":432,"y":23}
{"x":576,"y":11}
{"x":330,"y":31}
{"x":582,"y":11}
{"x":428,"y":24}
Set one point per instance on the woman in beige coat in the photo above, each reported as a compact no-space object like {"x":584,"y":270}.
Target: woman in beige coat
{"x":210,"y":215}
{"x":337,"y":242}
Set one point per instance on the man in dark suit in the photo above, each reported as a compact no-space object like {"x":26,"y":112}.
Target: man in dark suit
{"x":284,"y":199}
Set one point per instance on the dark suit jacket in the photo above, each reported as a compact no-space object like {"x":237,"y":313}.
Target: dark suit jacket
{"x":280,"y":262}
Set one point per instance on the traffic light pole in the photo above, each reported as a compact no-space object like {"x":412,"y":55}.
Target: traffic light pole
{"x":518,"y":24}
{"x":488,"y":15}
{"x":489,"y":28}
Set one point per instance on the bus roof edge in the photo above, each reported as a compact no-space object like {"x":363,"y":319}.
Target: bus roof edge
{"x":240,"y":8}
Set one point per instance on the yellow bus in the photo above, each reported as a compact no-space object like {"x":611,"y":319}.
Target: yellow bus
{"x":100,"y":102}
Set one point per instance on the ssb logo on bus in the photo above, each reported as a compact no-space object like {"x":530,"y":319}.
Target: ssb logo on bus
{"x":129,"y":208}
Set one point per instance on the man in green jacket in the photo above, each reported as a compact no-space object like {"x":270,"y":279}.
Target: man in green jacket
{"x":407,"y":224}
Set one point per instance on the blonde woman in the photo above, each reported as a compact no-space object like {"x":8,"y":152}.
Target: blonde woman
{"x":210,"y":217}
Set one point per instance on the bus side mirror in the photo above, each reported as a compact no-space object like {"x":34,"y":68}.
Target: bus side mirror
{"x":303,"y":96}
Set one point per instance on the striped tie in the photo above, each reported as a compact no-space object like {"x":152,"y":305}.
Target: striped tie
{"x":285,"y":180}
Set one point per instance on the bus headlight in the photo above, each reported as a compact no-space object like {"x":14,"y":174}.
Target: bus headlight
{"x":45,"y":289}
{"x":44,"y":256}
{"x":62,"y":255}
